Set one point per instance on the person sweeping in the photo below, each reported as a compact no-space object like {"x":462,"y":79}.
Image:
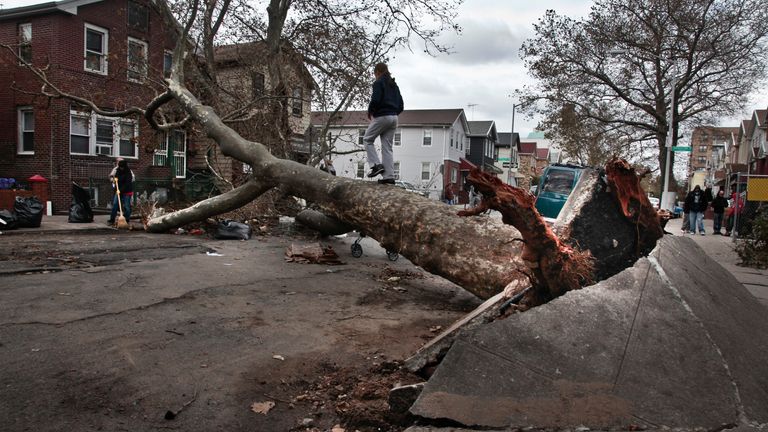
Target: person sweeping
{"x":122,"y":181}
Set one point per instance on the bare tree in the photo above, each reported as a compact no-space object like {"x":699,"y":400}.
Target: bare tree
{"x":618,"y":67}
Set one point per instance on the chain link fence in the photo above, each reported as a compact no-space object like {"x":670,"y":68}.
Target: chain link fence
{"x":749,"y":203}
{"x":182,"y":191}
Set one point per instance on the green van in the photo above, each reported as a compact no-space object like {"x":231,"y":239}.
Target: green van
{"x":556,"y":183}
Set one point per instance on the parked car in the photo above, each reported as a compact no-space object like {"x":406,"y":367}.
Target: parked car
{"x":654,"y":202}
{"x":411,"y":188}
{"x":555,"y":186}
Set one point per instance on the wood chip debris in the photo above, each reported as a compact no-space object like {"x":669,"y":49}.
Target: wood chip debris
{"x":313,"y":253}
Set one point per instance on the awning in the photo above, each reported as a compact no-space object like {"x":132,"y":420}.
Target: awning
{"x":465,"y":165}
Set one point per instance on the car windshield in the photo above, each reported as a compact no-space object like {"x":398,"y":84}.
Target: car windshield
{"x":559,"y":181}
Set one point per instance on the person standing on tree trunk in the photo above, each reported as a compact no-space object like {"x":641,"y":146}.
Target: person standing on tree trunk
{"x":386,"y":104}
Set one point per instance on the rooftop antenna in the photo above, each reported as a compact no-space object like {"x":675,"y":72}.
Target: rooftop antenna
{"x":472,"y":107}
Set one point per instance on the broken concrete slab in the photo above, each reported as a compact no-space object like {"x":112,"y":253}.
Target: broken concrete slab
{"x":435,"y":349}
{"x":674,"y":341}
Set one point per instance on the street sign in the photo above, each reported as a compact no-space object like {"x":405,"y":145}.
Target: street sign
{"x":681,"y":149}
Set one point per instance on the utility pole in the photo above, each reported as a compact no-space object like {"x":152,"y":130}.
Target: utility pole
{"x":667,"y":197}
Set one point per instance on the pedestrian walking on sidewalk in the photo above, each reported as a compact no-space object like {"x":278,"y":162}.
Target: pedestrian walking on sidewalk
{"x":697,"y":204}
{"x":386,"y":104}
{"x":718,"y":207}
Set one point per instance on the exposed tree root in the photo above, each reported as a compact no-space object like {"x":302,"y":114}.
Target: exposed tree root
{"x":624,"y":184}
{"x":556,"y":267}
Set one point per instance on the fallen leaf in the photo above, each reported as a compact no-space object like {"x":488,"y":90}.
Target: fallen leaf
{"x":435,"y":329}
{"x":278,"y":357}
{"x":338,"y":428}
{"x":393,"y":279}
{"x":262,"y":407}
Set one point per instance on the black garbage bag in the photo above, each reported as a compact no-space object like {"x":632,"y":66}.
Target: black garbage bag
{"x":80,"y":211}
{"x":8,"y":220}
{"x":29,"y":210}
{"x":231,"y":230}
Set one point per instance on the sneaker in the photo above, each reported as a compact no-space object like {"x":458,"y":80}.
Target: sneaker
{"x":110,"y":222}
{"x":387,"y":181}
{"x":376,"y":170}
{"x":703,"y":234}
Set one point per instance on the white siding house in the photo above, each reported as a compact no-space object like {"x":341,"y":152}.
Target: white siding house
{"x":427,"y":149}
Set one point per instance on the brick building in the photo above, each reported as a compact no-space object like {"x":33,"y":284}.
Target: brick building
{"x":108,"y":51}
{"x":709,"y":148}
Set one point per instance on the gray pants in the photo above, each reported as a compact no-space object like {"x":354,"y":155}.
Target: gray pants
{"x":385,"y":127}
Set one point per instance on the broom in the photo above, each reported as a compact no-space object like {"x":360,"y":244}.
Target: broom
{"x":121,"y":222}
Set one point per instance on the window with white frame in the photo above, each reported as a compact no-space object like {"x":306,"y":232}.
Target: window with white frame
{"x":398,"y":141}
{"x":91,"y":134}
{"x":172,"y":152}
{"x":426,"y":170}
{"x":454,"y":175}
{"x":25,"y":42}
{"x":397,"y":170}
{"x":360,"y":136}
{"x":96,"y":49}
{"x":79,"y":133}
{"x":26,"y":141}
{"x":105,"y":136}
{"x":427,"y":138}
{"x":137,"y":59}
{"x":167,"y":63}
{"x":360,"y":170}
{"x":451,"y":142}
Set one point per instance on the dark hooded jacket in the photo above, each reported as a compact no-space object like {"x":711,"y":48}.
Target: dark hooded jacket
{"x":386,"y":98}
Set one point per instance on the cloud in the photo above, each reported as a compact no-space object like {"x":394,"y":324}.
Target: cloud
{"x":483,"y":42}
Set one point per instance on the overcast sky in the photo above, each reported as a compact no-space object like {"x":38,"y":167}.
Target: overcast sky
{"x":485,"y":68}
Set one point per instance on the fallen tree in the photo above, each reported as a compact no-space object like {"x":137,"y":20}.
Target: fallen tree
{"x":480,"y":254}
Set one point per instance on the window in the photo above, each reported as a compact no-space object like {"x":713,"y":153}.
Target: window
{"x":702,"y":159}
{"x":167,"y":64}
{"x":702,"y":149}
{"x":96,"y":39}
{"x":79,"y":134}
{"x":454,"y":175}
{"x":137,"y":59}
{"x":426,"y":170}
{"x":90,"y":134}
{"x":427,"y":139}
{"x":398,"y":138}
{"x":298,"y":102}
{"x":451,"y":143}
{"x":104,"y":137}
{"x":360,"y":170}
{"x":397,"y":171}
{"x":26,"y":142}
{"x":360,"y":136}
{"x":175,"y":144}
{"x":138,"y":16}
{"x":257,"y":84}
{"x":25,"y":42}
{"x":128,"y":133}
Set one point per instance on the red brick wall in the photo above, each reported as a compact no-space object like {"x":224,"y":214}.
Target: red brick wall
{"x":58,"y":40}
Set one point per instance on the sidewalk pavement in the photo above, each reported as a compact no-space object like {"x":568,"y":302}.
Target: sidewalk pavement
{"x":58,"y":224}
{"x":719,"y":248}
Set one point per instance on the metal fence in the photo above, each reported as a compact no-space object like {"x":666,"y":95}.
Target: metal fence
{"x":750,"y":202}
{"x":180,"y":191}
